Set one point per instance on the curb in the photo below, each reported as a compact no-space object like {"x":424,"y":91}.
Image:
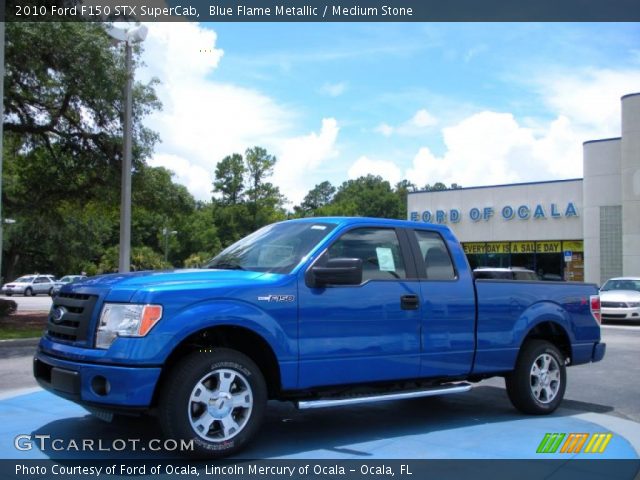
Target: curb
{"x":20,"y":342}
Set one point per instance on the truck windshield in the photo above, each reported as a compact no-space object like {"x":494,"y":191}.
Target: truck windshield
{"x":276,"y":248}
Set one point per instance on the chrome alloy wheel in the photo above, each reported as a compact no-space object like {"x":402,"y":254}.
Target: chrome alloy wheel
{"x":220,"y":405}
{"x":545,"y":378}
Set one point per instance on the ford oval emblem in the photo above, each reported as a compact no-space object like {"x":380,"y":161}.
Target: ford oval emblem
{"x":58,"y":314}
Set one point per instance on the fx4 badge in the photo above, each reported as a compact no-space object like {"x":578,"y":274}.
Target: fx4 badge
{"x":277,"y":298}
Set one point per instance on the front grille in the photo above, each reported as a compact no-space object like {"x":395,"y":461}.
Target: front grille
{"x":613,"y":305}
{"x":74,"y":324}
{"x":614,"y":316}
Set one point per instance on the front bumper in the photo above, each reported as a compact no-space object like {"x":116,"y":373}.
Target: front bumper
{"x":95,"y":384}
{"x":629,"y":313}
{"x":14,"y":290}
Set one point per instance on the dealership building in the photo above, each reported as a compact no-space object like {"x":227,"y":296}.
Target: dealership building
{"x":582,"y":229}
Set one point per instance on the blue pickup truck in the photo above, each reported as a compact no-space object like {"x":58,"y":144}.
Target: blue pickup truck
{"x":318,"y":311}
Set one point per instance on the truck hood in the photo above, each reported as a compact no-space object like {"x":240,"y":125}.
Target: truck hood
{"x":122,"y":286}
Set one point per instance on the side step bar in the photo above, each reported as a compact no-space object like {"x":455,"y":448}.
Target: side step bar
{"x":403,"y":395}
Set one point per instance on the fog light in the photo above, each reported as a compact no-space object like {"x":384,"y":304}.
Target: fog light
{"x":100,"y":385}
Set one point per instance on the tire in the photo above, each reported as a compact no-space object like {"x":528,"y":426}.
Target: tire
{"x":197,"y":401}
{"x":537,"y":384}
{"x":8,"y":294}
{"x":51,"y":292}
{"x":28,"y":292}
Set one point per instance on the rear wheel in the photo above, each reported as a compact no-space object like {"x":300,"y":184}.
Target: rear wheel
{"x":217,"y":399}
{"x":537,"y":384}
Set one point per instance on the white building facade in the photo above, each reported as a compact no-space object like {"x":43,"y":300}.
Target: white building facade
{"x":579,"y":229}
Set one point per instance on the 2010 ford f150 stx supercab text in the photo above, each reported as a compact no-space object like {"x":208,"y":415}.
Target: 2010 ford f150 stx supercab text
{"x":318,"y":311}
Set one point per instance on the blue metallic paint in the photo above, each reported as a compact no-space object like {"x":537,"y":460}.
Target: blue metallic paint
{"x":333,"y":335}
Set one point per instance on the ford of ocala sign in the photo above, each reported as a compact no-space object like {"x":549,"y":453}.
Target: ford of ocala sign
{"x":508,"y":212}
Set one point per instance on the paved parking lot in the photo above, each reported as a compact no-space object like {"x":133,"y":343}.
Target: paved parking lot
{"x":481,"y":424}
{"x":39,"y":303}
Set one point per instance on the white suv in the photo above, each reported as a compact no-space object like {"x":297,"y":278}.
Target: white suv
{"x":29,"y":285}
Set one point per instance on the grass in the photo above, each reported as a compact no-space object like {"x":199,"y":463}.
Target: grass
{"x":23,"y":325}
{"x":13,"y":333}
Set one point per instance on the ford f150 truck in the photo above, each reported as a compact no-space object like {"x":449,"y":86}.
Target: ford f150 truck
{"x":318,"y":311}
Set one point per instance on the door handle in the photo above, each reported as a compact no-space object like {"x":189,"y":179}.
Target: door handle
{"x":409,"y":302}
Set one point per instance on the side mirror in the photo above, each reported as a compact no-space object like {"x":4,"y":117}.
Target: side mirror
{"x":337,"y":271}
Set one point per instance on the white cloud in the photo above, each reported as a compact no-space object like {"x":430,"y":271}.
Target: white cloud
{"x":589,"y":98}
{"x":334,"y":89}
{"x":385,"y":129}
{"x":422,"y":119}
{"x":366,"y":166}
{"x":416,"y":125}
{"x":299,"y":157}
{"x":204,"y":120}
{"x":195,"y":177}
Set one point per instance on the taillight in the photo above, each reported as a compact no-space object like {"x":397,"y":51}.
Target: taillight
{"x":594,"y":302}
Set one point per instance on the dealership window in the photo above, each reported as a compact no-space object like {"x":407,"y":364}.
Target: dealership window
{"x":551,"y":260}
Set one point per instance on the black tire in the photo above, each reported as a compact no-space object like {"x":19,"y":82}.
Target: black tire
{"x":8,"y":294}
{"x":51,"y":292}
{"x":28,"y":292}
{"x":178,"y":412}
{"x":529,"y":388}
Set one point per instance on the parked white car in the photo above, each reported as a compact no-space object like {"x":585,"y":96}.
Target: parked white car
{"x":620,"y":299}
{"x":29,"y":285}
{"x":58,"y":284}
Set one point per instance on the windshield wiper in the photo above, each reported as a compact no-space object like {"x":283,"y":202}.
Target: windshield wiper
{"x":226,"y":266}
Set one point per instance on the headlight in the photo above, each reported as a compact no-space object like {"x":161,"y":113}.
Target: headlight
{"x":125,"y":320}
{"x":634,"y":304}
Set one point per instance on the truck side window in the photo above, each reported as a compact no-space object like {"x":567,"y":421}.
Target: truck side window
{"x":437,"y":260}
{"x":378,"y":248}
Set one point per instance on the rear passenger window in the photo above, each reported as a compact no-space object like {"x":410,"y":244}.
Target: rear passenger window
{"x":378,"y":248}
{"x":438,"y":264}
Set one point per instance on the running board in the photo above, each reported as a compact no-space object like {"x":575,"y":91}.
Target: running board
{"x":427,"y":392}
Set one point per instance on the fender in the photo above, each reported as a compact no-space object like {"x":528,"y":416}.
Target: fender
{"x":223,"y":312}
{"x":502,"y":347}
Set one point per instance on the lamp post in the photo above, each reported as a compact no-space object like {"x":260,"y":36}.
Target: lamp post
{"x":128,"y":37}
{"x":1,"y":130}
{"x":166,"y":233}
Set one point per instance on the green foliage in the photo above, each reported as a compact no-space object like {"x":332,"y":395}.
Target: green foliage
{"x":318,"y":197}
{"x":142,"y":258}
{"x":369,"y":196}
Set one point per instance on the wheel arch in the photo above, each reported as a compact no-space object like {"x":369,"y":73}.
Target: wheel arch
{"x":233,"y":337}
{"x":551,"y":331}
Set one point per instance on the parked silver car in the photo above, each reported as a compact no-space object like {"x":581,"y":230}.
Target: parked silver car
{"x":64,"y":281}
{"x":620,"y":299}
{"x":28,"y":285}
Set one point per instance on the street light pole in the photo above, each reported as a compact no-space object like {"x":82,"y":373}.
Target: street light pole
{"x":128,"y":37}
{"x":124,"y":261}
{"x":1,"y":130}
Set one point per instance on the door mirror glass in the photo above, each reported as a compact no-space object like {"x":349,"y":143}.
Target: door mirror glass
{"x":336,"y":271}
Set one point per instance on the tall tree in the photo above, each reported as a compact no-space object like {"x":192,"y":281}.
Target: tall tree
{"x":265,"y":201}
{"x":318,"y":197}
{"x":369,"y":196}
{"x":229,"y":179}
{"x":63,"y":138}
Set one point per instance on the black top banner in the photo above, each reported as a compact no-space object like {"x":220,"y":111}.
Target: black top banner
{"x":324,"y":10}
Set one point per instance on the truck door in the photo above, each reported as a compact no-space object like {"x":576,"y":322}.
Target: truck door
{"x":448,"y":307}
{"x":367,"y":332}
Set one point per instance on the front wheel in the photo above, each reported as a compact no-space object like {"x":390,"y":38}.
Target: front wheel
{"x":217,"y":399}
{"x":537,"y":384}
{"x":28,"y":292}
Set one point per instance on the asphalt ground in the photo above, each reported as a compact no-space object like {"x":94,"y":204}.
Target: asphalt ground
{"x":481,"y":424}
{"x":39,"y":303}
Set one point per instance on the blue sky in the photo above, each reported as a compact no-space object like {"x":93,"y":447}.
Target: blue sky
{"x":472,"y":103}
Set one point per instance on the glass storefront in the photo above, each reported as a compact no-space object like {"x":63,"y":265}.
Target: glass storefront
{"x":551,"y":260}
